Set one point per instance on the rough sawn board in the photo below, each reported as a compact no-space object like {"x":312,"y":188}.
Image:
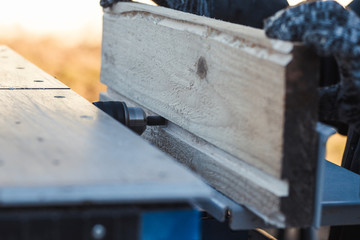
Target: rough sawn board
{"x":229,"y":85}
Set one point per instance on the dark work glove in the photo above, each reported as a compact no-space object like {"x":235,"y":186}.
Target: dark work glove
{"x":332,"y":31}
{"x":247,"y":12}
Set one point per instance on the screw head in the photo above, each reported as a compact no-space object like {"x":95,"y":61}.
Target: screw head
{"x":98,"y":231}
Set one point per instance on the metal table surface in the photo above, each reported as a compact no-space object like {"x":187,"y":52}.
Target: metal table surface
{"x":341,"y":196}
{"x":338,"y":197}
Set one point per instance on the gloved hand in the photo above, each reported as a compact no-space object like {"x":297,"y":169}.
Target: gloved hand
{"x":332,"y":31}
{"x":245,"y":12}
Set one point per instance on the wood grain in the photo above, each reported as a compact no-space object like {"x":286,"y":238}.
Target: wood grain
{"x":56,"y":148}
{"x":18,"y":73}
{"x":249,"y":96}
{"x":206,"y":76}
{"x":235,"y":178}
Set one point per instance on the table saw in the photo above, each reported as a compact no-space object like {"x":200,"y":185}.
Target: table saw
{"x":70,"y":171}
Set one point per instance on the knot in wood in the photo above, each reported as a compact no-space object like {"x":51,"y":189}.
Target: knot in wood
{"x":202,"y":68}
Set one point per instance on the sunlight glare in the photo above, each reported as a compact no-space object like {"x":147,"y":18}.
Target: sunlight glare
{"x":148,"y":2}
{"x":67,"y":19}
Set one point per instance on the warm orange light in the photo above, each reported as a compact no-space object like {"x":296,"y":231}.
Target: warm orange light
{"x":335,"y":147}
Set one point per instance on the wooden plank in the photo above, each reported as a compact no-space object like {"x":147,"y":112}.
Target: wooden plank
{"x":250,"y":96}
{"x":18,"y":73}
{"x":167,"y":74}
{"x":57,"y":148}
{"x":237,"y":179}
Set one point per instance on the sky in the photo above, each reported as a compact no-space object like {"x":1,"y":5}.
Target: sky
{"x":69,"y":19}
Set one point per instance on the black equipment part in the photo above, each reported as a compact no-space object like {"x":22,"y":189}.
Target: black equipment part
{"x":132,"y":117}
{"x":88,"y":222}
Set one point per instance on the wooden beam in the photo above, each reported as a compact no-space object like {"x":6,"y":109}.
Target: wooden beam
{"x":237,"y":179}
{"x":249,"y":96}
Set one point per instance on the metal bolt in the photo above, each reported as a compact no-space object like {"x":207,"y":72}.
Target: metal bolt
{"x":132,"y":117}
{"x":98,"y":231}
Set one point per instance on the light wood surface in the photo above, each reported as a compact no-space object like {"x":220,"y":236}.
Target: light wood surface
{"x":223,"y":82}
{"x":56,"y":148}
{"x":251,"y":97}
{"x":241,"y":181}
{"x":18,"y":73}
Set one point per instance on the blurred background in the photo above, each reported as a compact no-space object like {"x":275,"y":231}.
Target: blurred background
{"x":63,"y":38}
